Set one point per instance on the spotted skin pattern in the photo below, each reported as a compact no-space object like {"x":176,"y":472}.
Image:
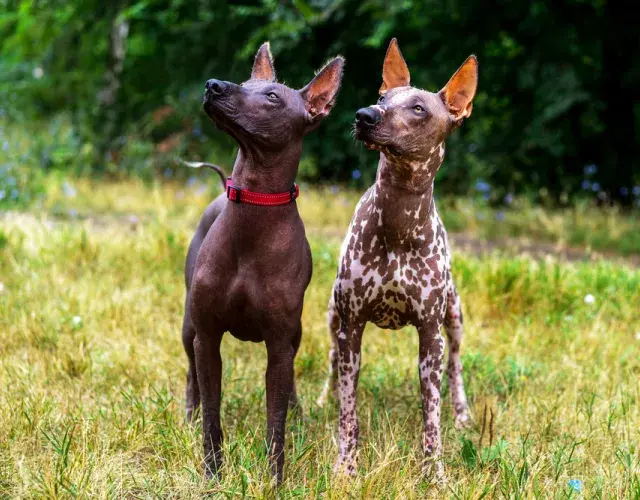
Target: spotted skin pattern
{"x":395,"y":266}
{"x":395,"y":273}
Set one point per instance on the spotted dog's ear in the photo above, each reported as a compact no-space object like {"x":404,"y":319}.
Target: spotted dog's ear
{"x":263,"y":68}
{"x":395,"y":72}
{"x":459,"y":92}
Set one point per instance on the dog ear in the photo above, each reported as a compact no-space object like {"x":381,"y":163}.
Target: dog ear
{"x":320,"y":93}
{"x":459,"y":92}
{"x":263,"y":65}
{"x":395,"y":72}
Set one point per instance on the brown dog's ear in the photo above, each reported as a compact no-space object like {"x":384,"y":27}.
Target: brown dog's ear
{"x":459,"y":92}
{"x":320,"y":93}
{"x":395,"y":72}
{"x":263,"y":65}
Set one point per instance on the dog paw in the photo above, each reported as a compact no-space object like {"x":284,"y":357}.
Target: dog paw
{"x":324,"y":400}
{"x":299,"y":415}
{"x":191,"y":414}
{"x":462,"y":421}
{"x":324,"y":396}
{"x":433,"y":471}
{"x":345,"y":467}
{"x":212,"y":474}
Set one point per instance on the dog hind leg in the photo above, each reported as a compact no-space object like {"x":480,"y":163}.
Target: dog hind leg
{"x":453,"y":325}
{"x":332,"y":380}
{"x":294,"y":402}
{"x":192,"y":391}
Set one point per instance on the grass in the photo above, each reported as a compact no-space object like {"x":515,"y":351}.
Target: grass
{"x":599,"y":231}
{"x":92,"y":369}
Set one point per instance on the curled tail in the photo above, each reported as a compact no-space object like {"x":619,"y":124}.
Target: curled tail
{"x":200,"y":164}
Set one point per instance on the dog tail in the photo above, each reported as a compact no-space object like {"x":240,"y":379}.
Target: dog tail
{"x":200,"y":164}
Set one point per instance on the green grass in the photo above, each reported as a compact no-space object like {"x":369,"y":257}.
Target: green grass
{"x":605,"y":229}
{"x":597,"y":231}
{"x":92,"y":369}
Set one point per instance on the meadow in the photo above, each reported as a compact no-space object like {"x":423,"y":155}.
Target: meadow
{"x":92,"y":369}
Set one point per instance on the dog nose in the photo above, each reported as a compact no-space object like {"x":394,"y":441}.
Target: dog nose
{"x":367,"y":116}
{"x":215,"y":86}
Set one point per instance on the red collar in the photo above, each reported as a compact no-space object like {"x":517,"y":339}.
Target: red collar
{"x":261,"y":199}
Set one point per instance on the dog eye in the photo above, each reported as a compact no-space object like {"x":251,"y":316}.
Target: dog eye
{"x":272,"y":96}
{"x":418,"y":109}
{"x":381,"y":100}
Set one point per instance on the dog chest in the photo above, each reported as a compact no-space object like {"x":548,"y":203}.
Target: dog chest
{"x":393,"y":290}
{"x":393,"y":281}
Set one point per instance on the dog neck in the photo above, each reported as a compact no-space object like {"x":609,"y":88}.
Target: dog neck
{"x":414,"y":175}
{"x":403,"y":196}
{"x":267,"y":172}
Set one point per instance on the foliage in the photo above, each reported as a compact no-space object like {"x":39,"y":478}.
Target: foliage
{"x":554,"y":114}
{"x":20,"y":186}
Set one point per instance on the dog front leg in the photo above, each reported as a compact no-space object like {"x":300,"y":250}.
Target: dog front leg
{"x":279,"y":381}
{"x":349,"y":341}
{"x":294,"y":402}
{"x":209,"y":370}
{"x":430,"y":366}
{"x":330,"y":385}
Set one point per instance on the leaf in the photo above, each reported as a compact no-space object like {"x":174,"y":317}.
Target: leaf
{"x":469,"y":453}
{"x":303,"y":7}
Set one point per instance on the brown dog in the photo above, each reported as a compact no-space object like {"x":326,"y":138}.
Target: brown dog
{"x":394,"y":266}
{"x":249,"y":262}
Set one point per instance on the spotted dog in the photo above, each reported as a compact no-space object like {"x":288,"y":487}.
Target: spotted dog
{"x":395,"y":268}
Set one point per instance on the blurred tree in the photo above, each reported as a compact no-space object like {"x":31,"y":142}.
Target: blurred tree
{"x":557,"y":107}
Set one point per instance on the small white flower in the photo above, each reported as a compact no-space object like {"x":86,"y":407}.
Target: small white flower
{"x":1,"y":287}
{"x":637,"y":333}
{"x":589,"y":299}
{"x":38,"y":72}
{"x":68,"y":190}
{"x":76,"y":321}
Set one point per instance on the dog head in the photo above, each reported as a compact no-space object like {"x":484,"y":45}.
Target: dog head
{"x":264,"y":114}
{"x":412,"y":123}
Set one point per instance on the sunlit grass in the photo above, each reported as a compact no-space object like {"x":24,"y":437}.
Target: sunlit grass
{"x":92,"y":369}
{"x":597,"y":229}
{"x":327,"y":210}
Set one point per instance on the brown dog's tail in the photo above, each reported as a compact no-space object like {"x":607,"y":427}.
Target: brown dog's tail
{"x":200,"y":164}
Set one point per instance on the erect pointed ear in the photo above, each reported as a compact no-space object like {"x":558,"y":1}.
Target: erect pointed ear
{"x":395,"y":72}
{"x":320,"y":93}
{"x":263,"y":65}
{"x":459,"y":92}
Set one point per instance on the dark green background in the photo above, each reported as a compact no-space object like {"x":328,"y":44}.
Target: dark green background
{"x":557,"y":107}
